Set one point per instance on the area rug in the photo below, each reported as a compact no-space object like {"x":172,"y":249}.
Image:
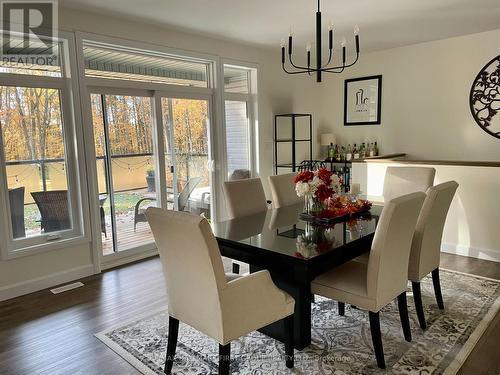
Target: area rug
{"x":340,"y":344}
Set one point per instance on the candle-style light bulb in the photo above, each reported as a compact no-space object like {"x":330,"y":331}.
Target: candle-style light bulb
{"x":343,"y":43}
{"x":308,"y":47}
{"x":330,"y":36}
{"x":356,"y":30}
{"x":283,"y":51}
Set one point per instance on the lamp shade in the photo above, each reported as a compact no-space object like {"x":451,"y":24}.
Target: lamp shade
{"x":327,"y":139}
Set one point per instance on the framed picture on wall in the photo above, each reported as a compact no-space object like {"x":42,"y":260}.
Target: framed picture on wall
{"x":362,"y":100}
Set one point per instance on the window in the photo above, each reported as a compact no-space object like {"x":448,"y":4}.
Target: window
{"x":103,"y":61}
{"x":239,"y":104}
{"x":38,"y":155}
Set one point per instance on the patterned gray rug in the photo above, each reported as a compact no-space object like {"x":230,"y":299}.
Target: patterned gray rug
{"x":340,"y":345}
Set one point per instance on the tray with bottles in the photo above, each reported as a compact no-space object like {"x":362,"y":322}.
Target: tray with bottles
{"x":341,"y":154}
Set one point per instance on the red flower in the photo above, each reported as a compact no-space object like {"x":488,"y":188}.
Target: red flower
{"x":304,"y":176}
{"x":323,"y":192}
{"x":325,"y":175}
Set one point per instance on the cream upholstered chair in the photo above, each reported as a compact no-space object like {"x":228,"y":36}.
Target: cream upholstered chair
{"x":405,"y":180}
{"x":283,"y":190}
{"x":371,"y":286}
{"x":426,"y":245}
{"x":244,"y":197}
{"x":200,"y":295}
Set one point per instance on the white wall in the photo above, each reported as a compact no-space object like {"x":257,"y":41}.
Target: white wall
{"x":425,"y":99}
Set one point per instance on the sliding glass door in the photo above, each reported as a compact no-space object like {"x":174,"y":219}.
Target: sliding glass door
{"x":125,"y":158}
{"x":126,"y":148}
{"x":188,"y":154}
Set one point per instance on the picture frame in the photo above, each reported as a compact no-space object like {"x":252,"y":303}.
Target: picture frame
{"x":363,"y":100}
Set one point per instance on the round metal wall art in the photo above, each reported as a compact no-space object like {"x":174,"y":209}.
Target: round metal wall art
{"x":485,"y":98}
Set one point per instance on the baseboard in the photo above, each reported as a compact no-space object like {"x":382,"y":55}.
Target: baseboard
{"x":44,"y":282}
{"x":472,"y":252}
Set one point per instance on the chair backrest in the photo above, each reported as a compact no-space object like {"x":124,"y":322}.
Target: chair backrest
{"x":186,"y":192}
{"x":192,"y":266}
{"x":387,"y":275}
{"x":426,"y":244}
{"x":405,"y":180}
{"x":239,"y":174}
{"x":16,"y":202}
{"x":283,"y":190}
{"x":53,"y":206}
{"x":244,"y":197}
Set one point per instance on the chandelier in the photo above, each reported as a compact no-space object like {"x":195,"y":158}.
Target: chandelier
{"x":319,"y":69}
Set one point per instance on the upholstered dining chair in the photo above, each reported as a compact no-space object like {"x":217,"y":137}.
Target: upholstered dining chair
{"x":426,"y":245}
{"x":200,"y":294}
{"x":371,"y":286}
{"x":243,"y":198}
{"x":405,"y":180}
{"x":283,"y":190}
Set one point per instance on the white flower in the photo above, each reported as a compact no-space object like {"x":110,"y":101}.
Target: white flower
{"x":306,"y":249}
{"x":302,"y":189}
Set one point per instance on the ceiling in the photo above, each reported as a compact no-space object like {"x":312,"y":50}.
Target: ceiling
{"x":383,"y":23}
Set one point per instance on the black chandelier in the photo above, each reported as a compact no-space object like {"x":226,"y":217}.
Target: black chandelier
{"x":319,"y":67}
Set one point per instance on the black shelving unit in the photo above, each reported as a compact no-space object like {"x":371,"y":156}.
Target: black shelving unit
{"x":293,"y":165}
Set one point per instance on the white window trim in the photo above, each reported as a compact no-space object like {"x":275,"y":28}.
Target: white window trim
{"x":71,"y":117}
{"x":251,"y":100}
{"x":90,"y":85}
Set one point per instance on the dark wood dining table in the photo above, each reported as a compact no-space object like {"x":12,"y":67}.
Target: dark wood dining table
{"x":295,"y":251}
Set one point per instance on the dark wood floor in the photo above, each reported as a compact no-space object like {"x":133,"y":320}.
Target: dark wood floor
{"x":50,"y":334}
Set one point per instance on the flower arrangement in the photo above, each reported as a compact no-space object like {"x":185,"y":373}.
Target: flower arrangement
{"x":319,"y":185}
{"x":316,"y":240}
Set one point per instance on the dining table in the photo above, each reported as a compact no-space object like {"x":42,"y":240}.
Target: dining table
{"x":295,"y":251}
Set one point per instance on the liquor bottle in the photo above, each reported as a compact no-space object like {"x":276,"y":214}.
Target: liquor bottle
{"x":331,"y":152}
{"x":348,"y":154}
{"x":342,"y":154}
{"x":337,"y":153}
{"x":355,"y":152}
{"x":371,"y":150}
{"x":375,"y":149}
{"x":362,"y":150}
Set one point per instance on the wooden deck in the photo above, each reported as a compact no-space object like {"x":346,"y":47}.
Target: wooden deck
{"x":127,"y":238}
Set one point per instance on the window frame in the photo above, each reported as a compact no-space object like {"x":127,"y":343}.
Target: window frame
{"x":156,"y":91}
{"x":73,"y":149}
{"x":250,"y":99}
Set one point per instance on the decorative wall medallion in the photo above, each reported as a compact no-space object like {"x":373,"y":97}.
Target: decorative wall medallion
{"x":485,"y":98}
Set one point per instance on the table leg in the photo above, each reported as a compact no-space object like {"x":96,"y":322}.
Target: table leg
{"x":302,"y":316}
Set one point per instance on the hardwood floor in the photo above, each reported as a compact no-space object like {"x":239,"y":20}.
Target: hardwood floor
{"x":48,"y":334}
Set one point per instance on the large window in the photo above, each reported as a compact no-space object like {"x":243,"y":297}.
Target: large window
{"x":38,"y":154}
{"x":239,"y":104}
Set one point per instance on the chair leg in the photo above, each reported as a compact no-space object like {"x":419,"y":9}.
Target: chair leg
{"x":341,"y":306}
{"x":417,"y":297}
{"x":289,"y":355}
{"x":173,"y":333}
{"x":224,"y":359}
{"x":403,"y":315}
{"x":437,"y":288}
{"x":236,"y":268}
{"x":377,"y":338}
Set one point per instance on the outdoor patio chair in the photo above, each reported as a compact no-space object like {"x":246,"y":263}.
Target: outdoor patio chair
{"x":53,"y":207}
{"x":16,"y":201}
{"x":182,"y":200}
